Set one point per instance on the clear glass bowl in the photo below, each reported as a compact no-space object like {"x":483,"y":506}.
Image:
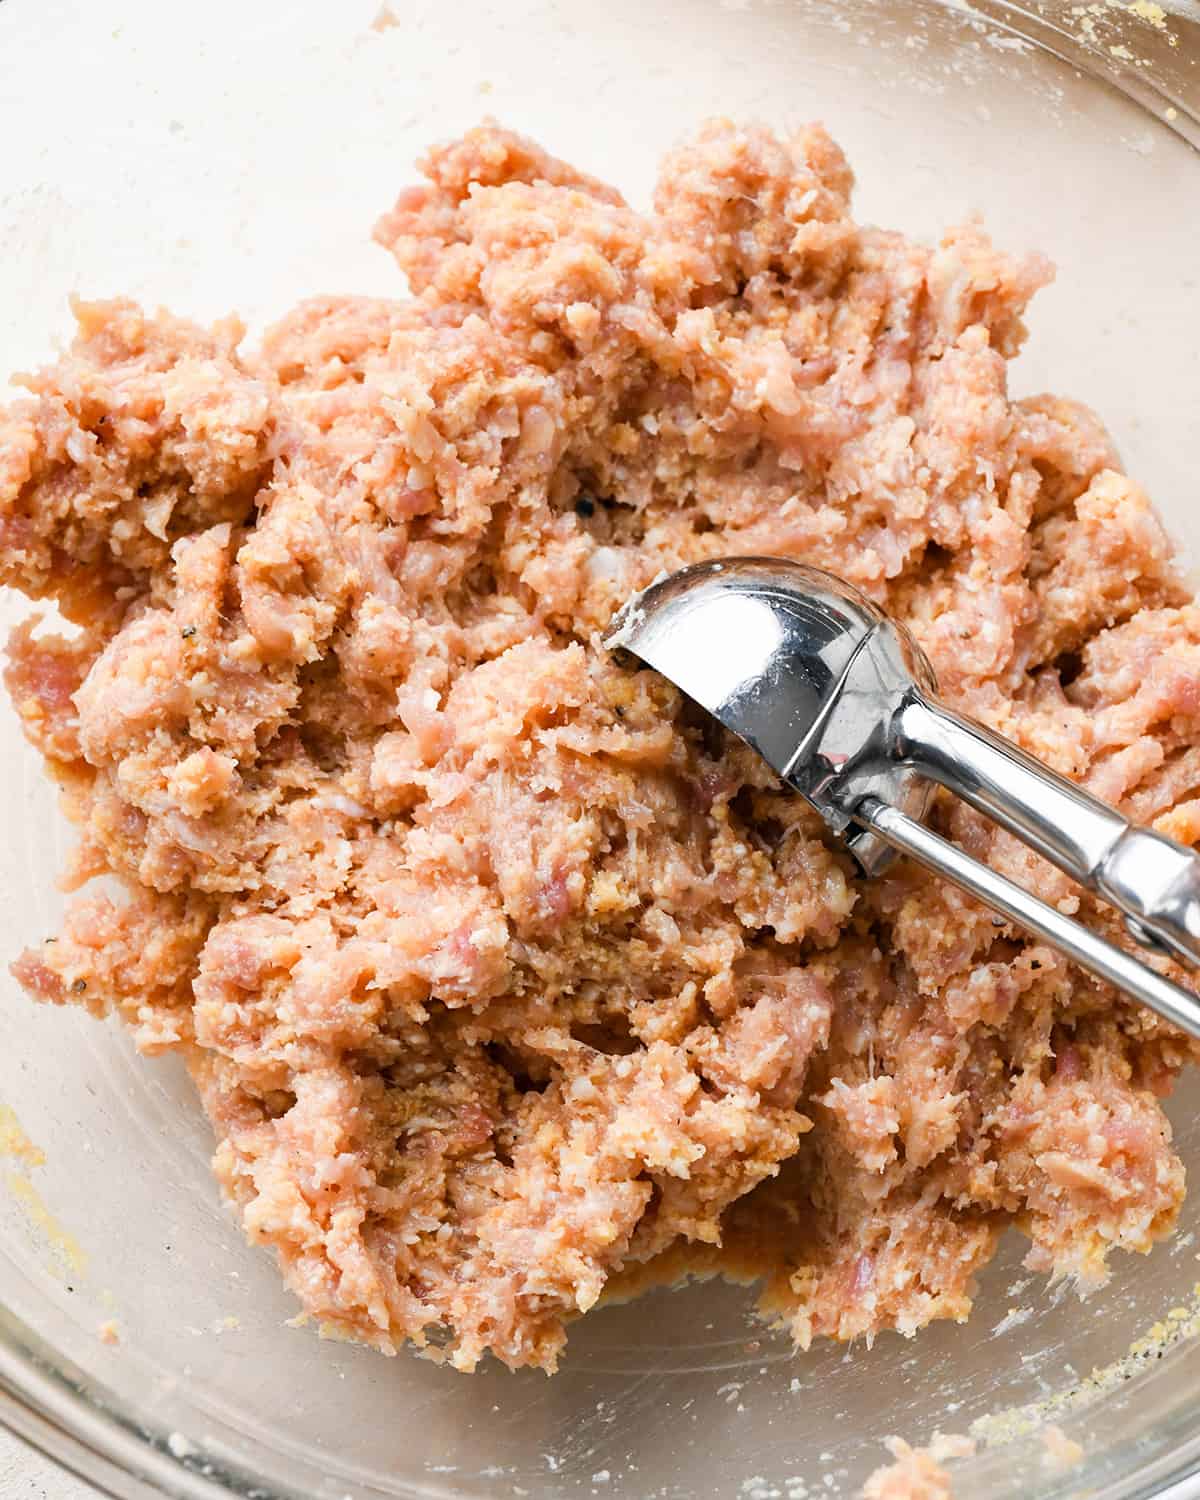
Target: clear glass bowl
{"x":236,"y":154}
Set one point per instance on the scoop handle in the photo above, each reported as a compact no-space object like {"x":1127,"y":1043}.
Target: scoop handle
{"x":1152,"y":879}
{"x":1090,"y":952}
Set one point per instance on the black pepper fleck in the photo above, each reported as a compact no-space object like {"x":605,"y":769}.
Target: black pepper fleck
{"x":79,"y":986}
{"x":188,"y":632}
{"x":585,"y":507}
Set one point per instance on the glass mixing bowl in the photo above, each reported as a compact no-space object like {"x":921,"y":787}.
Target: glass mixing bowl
{"x":236,"y":154}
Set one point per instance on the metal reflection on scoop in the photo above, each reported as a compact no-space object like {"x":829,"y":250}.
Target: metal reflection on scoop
{"x":802,"y":667}
{"x":840,"y":701}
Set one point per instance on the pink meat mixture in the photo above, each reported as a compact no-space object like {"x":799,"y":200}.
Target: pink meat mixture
{"x":503,"y":975}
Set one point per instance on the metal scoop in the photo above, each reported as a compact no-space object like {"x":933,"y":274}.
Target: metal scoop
{"x":840,"y":701}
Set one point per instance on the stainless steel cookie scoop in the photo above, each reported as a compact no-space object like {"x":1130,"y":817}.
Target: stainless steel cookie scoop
{"x":840,"y":701}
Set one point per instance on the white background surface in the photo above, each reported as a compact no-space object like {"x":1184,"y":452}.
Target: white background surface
{"x":26,"y":1475}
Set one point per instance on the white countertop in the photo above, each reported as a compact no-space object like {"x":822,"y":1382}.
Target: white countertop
{"x":26,"y":1475}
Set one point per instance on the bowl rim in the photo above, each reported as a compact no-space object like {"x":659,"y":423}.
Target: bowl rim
{"x":82,"y":1428}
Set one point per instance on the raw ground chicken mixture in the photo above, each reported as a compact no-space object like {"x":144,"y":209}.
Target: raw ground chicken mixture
{"x":505,"y":977}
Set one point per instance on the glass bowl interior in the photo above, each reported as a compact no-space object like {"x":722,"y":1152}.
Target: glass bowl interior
{"x":235,"y":157}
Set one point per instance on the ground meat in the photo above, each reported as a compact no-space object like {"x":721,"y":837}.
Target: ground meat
{"x":505,"y":975}
{"x":917,"y":1473}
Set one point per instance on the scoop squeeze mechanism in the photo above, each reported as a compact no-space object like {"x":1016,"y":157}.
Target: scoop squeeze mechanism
{"x":841,"y":702}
